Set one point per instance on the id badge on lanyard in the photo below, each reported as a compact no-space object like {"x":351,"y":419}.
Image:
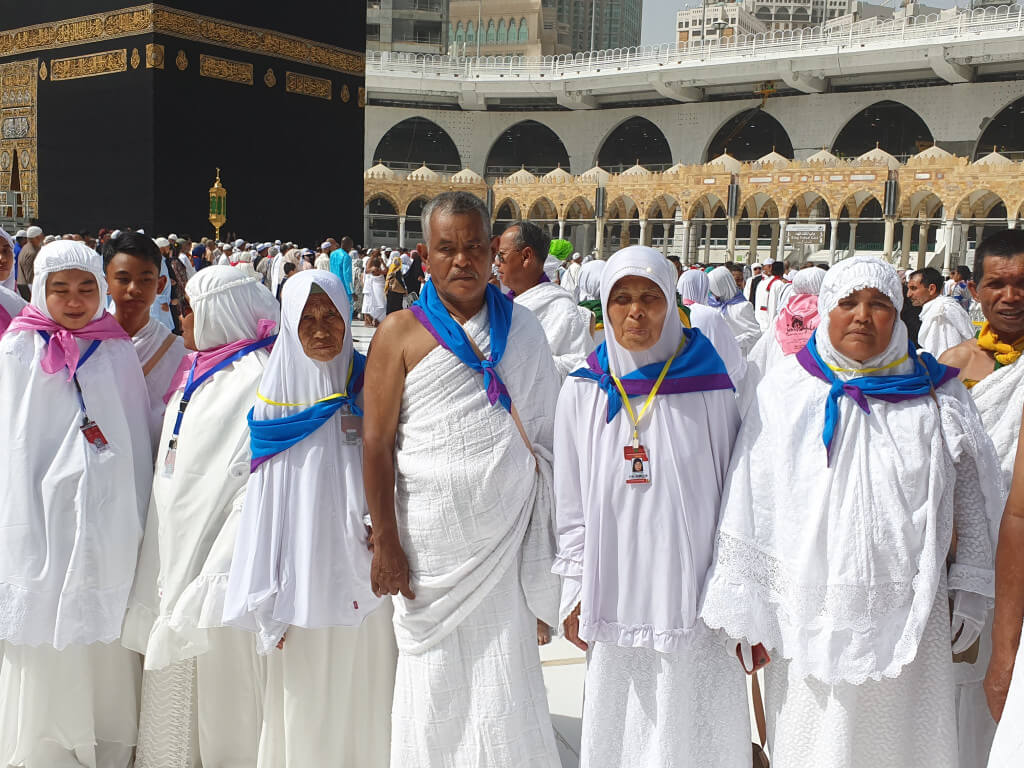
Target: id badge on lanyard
{"x":90,"y":430}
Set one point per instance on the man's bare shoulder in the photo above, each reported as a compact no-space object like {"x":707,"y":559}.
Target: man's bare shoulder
{"x":962,"y":354}
{"x":402,"y":335}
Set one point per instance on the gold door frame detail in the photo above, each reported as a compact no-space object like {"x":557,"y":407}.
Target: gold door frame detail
{"x":225,"y":69}
{"x":308,"y":85}
{"x":156,"y":18}
{"x":90,"y":65}
{"x":19,"y":128}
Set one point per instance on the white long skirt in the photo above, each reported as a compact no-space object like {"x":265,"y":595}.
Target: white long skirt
{"x":1008,"y":746}
{"x":220,"y":713}
{"x":646,"y":709}
{"x":328,"y":697}
{"x":903,"y":722}
{"x":975,"y":725}
{"x":476,"y":699}
{"x":68,"y":709}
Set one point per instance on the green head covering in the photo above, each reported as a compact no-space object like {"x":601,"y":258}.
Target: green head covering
{"x":560,"y":249}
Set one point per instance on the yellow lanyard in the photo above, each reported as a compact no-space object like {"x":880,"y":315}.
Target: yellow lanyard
{"x":901,"y":361}
{"x":335,"y":396}
{"x":650,"y":398}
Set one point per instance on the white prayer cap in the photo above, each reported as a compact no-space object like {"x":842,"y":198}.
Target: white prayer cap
{"x":277,"y":242}
{"x":226,"y":247}
{"x":767,"y":262}
{"x":809,"y":280}
{"x":324,"y":245}
{"x":246,"y":256}
{"x":228,"y":306}
{"x":21,"y":233}
{"x":49,"y":239}
{"x":162,"y":242}
{"x":577,"y":256}
{"x":67,"y":254}
{"x":33,"y":231}
{"x":115,"y":233}
{"x":173,"y":238}
{"x":722,"y":284}
{"x":239,"y":243}
{"x":262,"y":247}
{"x":692,"y":286}
{"x":641,"y":261}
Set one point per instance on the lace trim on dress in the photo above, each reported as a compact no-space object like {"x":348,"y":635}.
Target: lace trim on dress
{"x":79,"y":618}
{"x":638,"y":636}
{"x":970,"y":579}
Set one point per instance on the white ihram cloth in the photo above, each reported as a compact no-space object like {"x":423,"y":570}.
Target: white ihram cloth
{"x":590,"y":280}
{"x":566,"y":325}
{"x":301,"y":564}
{"x":71,"y":524}
{"x":767,"y":352}
{"x":374,"y":303}
{"x":840,"y":570}
{"x":711,"y":323}
{"x":762,"y":296}
{"x":738,"y":316}
{"x":147,"y":343}
{"x":1000,"y":399}
{"x":177,"y":603}
{"x":662,"y":689}
{"x":944,"y":324}
{"x":475,"y":519}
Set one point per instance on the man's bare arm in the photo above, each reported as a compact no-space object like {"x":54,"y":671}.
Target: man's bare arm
{"x":957,"y":357}
{"x":385,"y":381}
{"x":1009,"y":610}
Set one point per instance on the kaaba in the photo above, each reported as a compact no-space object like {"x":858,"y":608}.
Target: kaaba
{"x":115,"y":116}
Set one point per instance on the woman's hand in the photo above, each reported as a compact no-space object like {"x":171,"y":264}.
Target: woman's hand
{"x":571,"y":625}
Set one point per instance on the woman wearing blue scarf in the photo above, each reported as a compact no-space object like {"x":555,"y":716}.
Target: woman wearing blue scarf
{"x":636,"y":511}
{"x":300,"y":575}
{"x":850,"y":473}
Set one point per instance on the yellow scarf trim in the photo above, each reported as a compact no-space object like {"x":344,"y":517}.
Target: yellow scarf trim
{"x":1005,"y":354}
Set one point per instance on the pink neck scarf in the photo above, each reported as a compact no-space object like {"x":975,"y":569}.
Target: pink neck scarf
{"x":796,"y":322}
{"x":5,"y":320}
{"x":209,"y":358}
{"x":62,"y":349}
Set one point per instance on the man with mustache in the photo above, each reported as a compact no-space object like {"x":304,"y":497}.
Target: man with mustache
{"x":458,"y":432}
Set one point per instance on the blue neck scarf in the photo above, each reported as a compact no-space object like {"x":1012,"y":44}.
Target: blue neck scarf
{"x":697,"y":368}
{"x":928,"y":376}
{"x":434,"y":316}
{"x":714,"y":303}
{"x":269,"y":437}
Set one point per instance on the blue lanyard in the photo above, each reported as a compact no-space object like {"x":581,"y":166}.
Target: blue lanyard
{"x":192,"y":384}
{"x":81,"y":361}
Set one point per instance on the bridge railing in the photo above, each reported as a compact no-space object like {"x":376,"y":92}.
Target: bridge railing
{"x":937,"y":26}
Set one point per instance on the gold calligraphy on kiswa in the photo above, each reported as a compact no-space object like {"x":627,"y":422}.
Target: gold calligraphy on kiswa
{"x":308,"y":85}
{"x":91,"y":65}
{"x":225,"y":69}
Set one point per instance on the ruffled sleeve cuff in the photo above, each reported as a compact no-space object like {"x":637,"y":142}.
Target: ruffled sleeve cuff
{"x":968,"y":578}
{"x":566,"y":566}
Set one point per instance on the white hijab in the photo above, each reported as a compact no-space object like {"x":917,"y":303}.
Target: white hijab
{"x":693,"y":286}
{"x":641,"y":261}
{"x":847,"y":277}
{"x":722,"y":284}
{"x":301,"y":556}
{"x":590,"y":280}
{"x":11,"y":283}
{"x":228,"y":306}
{"x":71,"y":518}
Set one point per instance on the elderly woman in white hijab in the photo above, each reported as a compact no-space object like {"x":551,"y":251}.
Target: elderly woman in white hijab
{"x":76,"y":467}
{"x":692,"y":287}
{"x":636,"y":511}
{"x":302,"y":562}
{"x":176,"y":611}
{"x":725,"y":296}
{"x":848,"y":480}
{"x":590,"y":295}
{"x":794,"y":324}
{"x":11,"y":302}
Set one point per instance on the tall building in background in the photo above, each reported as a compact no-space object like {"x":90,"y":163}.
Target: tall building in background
{"x":541,"y":27}
{"x":407,"y":26}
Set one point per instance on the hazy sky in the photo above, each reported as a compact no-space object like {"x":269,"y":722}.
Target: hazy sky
{"x":660,"y":16}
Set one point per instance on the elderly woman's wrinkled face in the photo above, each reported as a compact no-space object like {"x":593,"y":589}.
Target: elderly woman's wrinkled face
{"x":321,"y":328}
{"x":636,"y":310}
{"x":860,"y":326}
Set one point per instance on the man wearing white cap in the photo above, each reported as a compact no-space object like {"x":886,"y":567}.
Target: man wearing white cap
{"x":763,"y":291}
{"x":323,"y":259}
{"x":225,"y":255}
{"x":26,"y":260}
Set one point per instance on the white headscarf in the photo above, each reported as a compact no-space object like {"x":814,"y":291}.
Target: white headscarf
{"x":590,"y":280}
{"x":11,"y":283}
{"x":300,"y":556}
{"x":228,"y":306}
{"x":809,"y":280}
{"x":849,"y":276}
{"x":722,"y":284}
{"x":641,"y":261}
{"x":59,"y":256}
{"x":693,"y":286}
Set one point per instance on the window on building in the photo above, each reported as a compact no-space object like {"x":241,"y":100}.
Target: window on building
{"x":524,"y":31}
{"x":492,"y":33}
{"x":470,"y":33}
{"x":502,"y":34}
{"x":460,"y":33}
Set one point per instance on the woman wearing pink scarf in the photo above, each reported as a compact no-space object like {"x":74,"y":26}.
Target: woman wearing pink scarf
{"x":75,"y":466}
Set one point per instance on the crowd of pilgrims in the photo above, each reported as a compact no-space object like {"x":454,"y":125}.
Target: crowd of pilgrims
{"x":230,"y":539}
